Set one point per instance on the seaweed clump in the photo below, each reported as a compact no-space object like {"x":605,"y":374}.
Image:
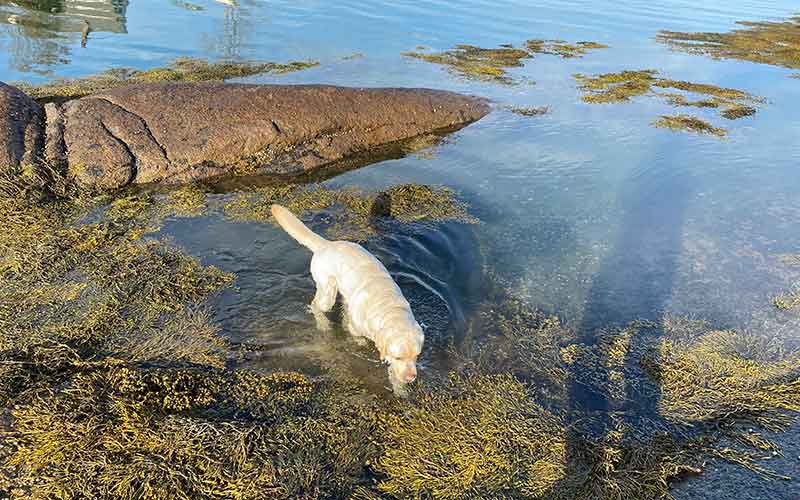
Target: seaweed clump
{"x":129,"y":432}
{"x":114,"y":381}
{"x":477,"y":63}
{"x":791,"y":298}
{"x":690,"y":124}
{"x":624,"y":85}
{"x":768,"y":42}
{"x":529,"y":112}
{"x":183,"y":69}
{"x":497,"y":431}
{"x":491,"y":65}
{"x":788,"y":300}
{"x":562,"y":48}
{"x":357,"y":214}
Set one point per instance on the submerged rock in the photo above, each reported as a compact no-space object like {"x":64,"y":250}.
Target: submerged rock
{"x":176,"y":132}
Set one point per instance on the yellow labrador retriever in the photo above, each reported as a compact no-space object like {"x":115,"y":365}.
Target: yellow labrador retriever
{"x":376,"y":308}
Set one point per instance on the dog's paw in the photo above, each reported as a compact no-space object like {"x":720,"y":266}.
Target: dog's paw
{"x":323,"y":323}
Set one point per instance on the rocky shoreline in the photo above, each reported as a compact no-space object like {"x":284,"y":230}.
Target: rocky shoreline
{"x":180,"y":132}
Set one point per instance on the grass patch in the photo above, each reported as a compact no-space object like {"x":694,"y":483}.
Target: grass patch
{"x":768,"y":42}
{"x":184,"y":69}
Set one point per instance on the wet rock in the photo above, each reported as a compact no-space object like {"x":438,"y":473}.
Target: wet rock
{"x":172,"y":133}
{"x":21,"y":128}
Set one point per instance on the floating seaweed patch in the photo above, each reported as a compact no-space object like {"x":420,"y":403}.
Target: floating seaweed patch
{"x":491,"y":65}
{"x":477,"y":63}
{"x":183,"y":69}
{"x":358,"y":210}
{"x":689,"y":124}
{"x":624,"y":85}
{"x":562,"y":48}
{"x":529,"y":112}
{"x":767,"y":42}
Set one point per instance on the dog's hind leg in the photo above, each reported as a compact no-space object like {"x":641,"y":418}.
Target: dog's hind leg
{"x":324,"y":300}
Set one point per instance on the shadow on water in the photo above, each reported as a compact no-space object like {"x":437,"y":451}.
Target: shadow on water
{"x":635,"y":282}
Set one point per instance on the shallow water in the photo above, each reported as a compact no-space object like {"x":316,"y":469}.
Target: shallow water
{"x":587,"y":212}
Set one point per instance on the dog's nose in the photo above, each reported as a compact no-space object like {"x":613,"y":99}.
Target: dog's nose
{"x":410,"y":377}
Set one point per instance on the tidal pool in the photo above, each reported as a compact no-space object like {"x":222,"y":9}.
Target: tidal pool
{"x":585,"y":212}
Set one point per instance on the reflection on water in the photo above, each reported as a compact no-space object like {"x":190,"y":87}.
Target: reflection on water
{"x":40,"y":34}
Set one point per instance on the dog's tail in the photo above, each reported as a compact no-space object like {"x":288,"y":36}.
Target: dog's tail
{"x":297,"y":229}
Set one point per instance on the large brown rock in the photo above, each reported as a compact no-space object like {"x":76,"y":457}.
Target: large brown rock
{"x":21,"y":129}
{"x":175,"y":132}
{"x":186,"y":131}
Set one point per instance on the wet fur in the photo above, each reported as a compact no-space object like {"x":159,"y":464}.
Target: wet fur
{"x":375,"y":307}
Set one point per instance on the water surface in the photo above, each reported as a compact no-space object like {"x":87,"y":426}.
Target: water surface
{"x":587,"y":212}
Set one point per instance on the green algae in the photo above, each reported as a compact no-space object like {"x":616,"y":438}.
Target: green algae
{"x":562,"y":48}
{"x":689,"y":123}
{"x":768,"y":42}
{"x":184,"y":69}
{"x":358,"y":211}
{"x":494,"y":432}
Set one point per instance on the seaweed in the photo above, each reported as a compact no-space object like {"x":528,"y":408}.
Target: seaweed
{"x":483,"y":436}
{"x":126,"y":432}
{"x":477,"y":63}
{"x":562,"y":48}
{"x":690,"y":124}
{"x":358,"y":211}
{"x":768,"y":42}
{"x":622,"y":86}
{"x":491,"y":64}
{"x":529,"y":112}
{"x":116,"y":383}
{"x":183,"y":69}
{"x":788,"y":300}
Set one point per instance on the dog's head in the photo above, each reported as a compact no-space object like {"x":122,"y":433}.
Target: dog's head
{"x":401,"y":353}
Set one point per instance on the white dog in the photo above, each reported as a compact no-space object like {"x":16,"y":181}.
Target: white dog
{"x":376,"y":308}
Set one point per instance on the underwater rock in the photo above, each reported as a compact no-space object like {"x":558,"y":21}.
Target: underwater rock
{"x":177,"y":132}
{"x":21,"y":133}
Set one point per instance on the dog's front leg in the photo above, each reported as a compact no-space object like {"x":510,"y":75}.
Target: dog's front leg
{"x":324,"y":300}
